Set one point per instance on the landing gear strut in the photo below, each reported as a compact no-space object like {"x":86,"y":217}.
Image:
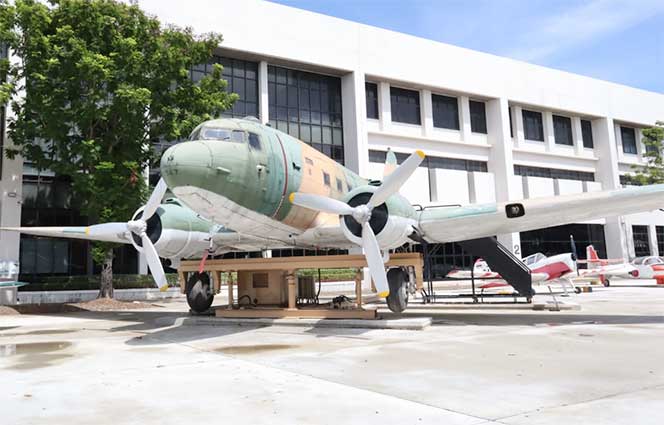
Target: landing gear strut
{"x":199,"y":292}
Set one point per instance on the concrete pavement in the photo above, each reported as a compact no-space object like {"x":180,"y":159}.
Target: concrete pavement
{"x":600,"y":365}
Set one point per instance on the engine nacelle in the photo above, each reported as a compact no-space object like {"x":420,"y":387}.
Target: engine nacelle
{"x":392,"y":222}
{"x":176,"y":231}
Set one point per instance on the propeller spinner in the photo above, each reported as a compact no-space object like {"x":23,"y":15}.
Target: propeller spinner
{"x":362,"y":214}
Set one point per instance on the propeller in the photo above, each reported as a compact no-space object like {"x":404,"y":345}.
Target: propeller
{"x":575,"y":255}
{"x":362,"y":214}
{"x":139,"y":227}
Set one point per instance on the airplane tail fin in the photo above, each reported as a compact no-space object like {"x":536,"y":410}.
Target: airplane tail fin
{"x":592,"y":257}
{"x":390,"y":163}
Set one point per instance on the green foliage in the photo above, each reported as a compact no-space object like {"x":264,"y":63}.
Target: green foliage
{"x":96,"y":82}
{"x":653,"y":171}
{"x":80,"y":283}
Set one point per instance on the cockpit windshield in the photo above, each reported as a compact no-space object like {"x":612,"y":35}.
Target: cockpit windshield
{"x":217,"y":133}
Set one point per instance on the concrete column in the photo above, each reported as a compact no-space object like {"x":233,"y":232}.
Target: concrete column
{"x":385,"y":106}
{"x":577,"y":135}
{"x":263,"y":100}
{"x":517,"y":122}
{"x":426,"y":113}
{"x":652,"y":239}
{"x":606,"y":149}
{"x":464,"y":119}
{"x":11,"y":193}
{"x":549,"y":134}
{"x":501,"y":161}
{"x":354,"y":107}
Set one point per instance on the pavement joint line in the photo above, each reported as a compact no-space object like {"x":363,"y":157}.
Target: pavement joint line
{"x":590,"y":400}
{"x":480,"y":419}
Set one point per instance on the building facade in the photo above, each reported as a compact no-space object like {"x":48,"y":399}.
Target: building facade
{"x":493,"y":129}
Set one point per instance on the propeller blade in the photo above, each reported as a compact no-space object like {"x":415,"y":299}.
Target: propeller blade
{"x":575,"y":255}
{"x":320,"y":203}
{"x":393,"y":182}
{"x":155,"y":199}
{"x":106,"y":229}
{"x":154,"y":263}
{"x":375,"y":261}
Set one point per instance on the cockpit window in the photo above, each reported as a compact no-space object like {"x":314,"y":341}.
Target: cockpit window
{"x":216,"y":133}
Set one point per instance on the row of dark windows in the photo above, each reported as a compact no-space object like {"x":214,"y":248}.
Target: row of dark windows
{"x":307,"y":106}
{"x":433,"y":162}
{"x":552,"y":173}
{"x":533,"y":129}
{"x":642,"y":241}
{"x":405,"y":108}
{"x":242,"y":78}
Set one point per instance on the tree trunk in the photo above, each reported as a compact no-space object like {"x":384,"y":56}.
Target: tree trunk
{"x":106,"y":287}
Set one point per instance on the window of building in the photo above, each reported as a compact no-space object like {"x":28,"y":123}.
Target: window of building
{"x":587,"y":132}
{"x":371,"y":92}
{"x":562,"y":130}
{"x":478,"y":117}
{"x":433,"y":162}
{"x":48,"y":201}
{"x":641,"y":242}
{"x":445,"y":111}
{"x":532,"y":125}
{"x":405,"y":105}
{"x":628,"y":136}
{"x":509,"y":111}
{"x":242,"y":78}
{"x":340,"y":186}
{"x":326,"y":179}
{"x":555,"y":240}
{"x":552,"y":173}
{"x":307,"y":106}
{"x":659,"y":230}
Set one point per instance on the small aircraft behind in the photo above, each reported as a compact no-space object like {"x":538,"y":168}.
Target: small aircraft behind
{"x":274,"y":190}
{"x":560,"y":268}
{"x":651,"y":267}
{"x":607,"y":268}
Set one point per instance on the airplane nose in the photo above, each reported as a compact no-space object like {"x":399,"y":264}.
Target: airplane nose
{"x":186,"y":164}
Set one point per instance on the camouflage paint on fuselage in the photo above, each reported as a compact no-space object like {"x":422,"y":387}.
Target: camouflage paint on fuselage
{"x":258,"y":175}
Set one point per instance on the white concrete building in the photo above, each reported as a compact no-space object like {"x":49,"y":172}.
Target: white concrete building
{"x":494,"y":129}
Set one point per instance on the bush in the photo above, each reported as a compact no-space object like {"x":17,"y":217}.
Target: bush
{"x":80,"y":283}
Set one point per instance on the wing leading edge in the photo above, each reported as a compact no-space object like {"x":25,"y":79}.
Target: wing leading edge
{"x":476,"y":221}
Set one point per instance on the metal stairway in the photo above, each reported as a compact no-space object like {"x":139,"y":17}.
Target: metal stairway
{"x":501,"y":260}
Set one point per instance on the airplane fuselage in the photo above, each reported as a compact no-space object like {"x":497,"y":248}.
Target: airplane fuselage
{"x":240,"y":173}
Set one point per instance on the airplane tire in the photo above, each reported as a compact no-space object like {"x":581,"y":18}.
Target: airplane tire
{"x":606,"y":283}
{"x":199,"y":294}
{"x":397,"y":301}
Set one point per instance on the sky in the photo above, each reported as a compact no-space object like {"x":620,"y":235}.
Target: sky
{"x":615,"y":40}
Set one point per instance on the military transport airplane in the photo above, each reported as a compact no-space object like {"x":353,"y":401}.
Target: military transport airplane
{"x":274,"y":191}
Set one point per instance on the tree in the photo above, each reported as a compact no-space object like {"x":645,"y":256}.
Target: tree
{"x":653,"y":170}
{"x":96,"y":81}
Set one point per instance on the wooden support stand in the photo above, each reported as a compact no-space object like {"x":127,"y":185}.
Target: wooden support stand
{"x":289,"y":266}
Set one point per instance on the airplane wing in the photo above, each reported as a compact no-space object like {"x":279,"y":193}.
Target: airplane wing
{"x":475,"y":221}
{"x":72,"y":232}
{"x":611,"y":270}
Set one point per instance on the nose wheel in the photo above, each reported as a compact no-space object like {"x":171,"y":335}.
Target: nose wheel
{"x":397,"y":300}
{"x":199,"y":292}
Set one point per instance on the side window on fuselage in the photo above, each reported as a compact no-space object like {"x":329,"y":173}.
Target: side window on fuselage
{"x":326,"y":179}
{"x":254,"y":141}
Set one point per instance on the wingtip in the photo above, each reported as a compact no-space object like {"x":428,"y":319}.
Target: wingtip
{"x":164,"y":288}
{"x":384,"y":294}
{"x":291,"y":197}
{"x":420,"y":153}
